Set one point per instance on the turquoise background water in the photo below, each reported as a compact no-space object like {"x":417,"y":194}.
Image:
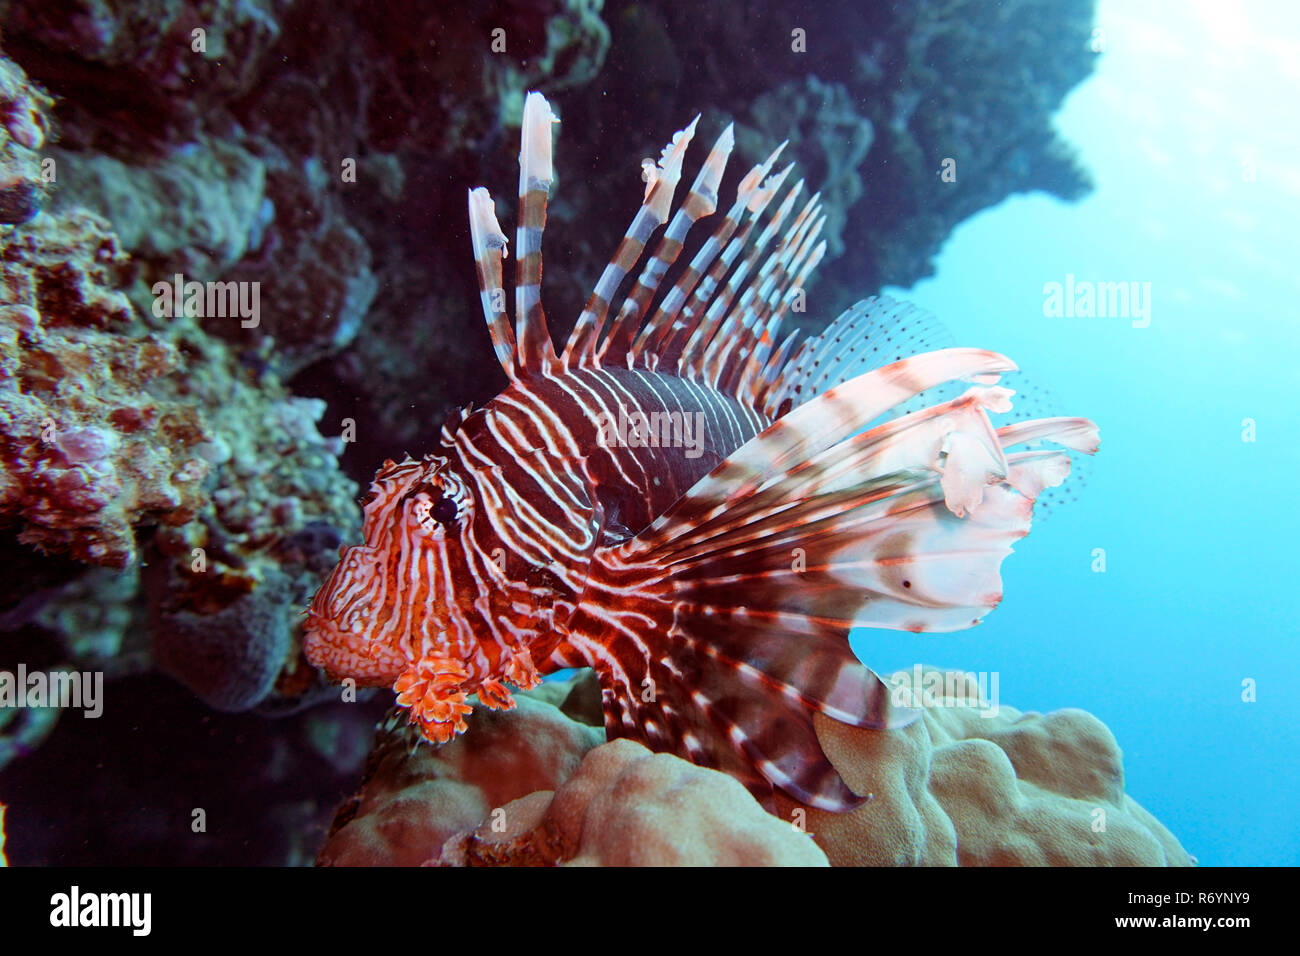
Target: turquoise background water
{"x":1189,"y":129}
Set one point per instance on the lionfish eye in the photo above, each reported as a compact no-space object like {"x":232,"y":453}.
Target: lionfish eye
{"x":443,"y":511}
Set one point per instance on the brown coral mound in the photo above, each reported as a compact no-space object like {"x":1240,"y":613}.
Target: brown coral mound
{"x":415,"y":797}
{"x":960,"y":787}
{"x":955,"y":788}
{"x":626,"y":806}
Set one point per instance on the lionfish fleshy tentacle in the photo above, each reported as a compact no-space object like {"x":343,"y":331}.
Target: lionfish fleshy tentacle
{"x":489,"y":244}
{"x":585,"y":344}
{"x":495,"y":695}
{"x":431,"y":689}
{"x":536,"y":172}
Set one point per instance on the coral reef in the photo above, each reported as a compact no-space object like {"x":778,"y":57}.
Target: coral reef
{"x":820,"y":122}
{"x":109,"y":430}
{"x":954,"y":788}
{"x":314,"y":268}
{"x":88,"y":449}
{"x":24,"y":127}
{"x":3,"y":861}
{"x":132,"y":71}
{"x":214,"y":210}
{"x":225,"y":608}
{"x":193,"y":211}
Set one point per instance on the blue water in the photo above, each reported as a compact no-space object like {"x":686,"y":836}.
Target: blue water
{"x":1189,"y":129}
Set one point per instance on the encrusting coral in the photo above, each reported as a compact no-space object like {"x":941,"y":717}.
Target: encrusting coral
{"x":113,"y":434}
{"x":89,"y":449}
{"x":24,"y":126}
{"x":534,"y":787}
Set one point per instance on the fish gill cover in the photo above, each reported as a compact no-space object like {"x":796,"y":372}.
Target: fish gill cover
{"x":236,"y":278}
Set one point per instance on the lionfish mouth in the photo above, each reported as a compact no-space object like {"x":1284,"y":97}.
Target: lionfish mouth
{"x":348,"y":654}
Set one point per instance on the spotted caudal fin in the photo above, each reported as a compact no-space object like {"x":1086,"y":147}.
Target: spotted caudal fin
{"x":807,"y":531}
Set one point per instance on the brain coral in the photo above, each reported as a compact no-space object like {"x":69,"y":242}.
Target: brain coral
{"x":954,"y":788}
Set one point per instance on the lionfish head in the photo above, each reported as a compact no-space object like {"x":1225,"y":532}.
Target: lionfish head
{"x":379,"y":612}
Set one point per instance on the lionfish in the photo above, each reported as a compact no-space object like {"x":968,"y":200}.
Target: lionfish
{"x":688,"y":502}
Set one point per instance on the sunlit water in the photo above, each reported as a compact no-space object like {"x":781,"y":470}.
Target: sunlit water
{"x":1188,"y":128}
